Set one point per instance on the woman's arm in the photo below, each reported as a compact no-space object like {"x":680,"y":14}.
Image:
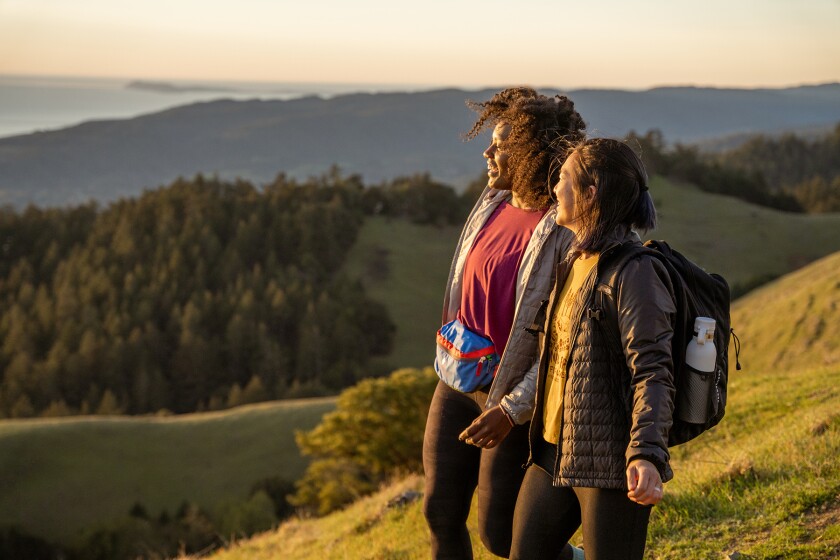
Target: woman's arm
{"x":646,"y":311}
{"x":494,"y":424}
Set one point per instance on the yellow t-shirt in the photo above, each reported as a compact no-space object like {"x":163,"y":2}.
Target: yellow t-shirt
{"x":560,"y":326}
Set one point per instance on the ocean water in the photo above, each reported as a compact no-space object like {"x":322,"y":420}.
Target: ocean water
{"x":32,"y":103}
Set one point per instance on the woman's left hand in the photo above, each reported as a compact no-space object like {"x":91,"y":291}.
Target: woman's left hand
{"x":488,"y":430}
{"x":643,"y":483}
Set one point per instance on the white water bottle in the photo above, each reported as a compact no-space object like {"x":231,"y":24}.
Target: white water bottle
{"x":700,"y":357}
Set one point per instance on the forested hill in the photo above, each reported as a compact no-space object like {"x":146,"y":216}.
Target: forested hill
{"x":378,"y":135}
{"x":201,"y":295}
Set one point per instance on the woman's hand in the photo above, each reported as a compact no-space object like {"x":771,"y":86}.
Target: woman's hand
{"x":643,"y":483}
{"x":488,"y":430}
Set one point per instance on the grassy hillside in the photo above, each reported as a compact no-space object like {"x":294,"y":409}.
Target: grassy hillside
{"x":59,"y":476}
{"x":739,"y":240}
{"x":405,"y":266}
{"x":765,"y":482}
{"x":794,"y":321}
{"x":773,"y":457}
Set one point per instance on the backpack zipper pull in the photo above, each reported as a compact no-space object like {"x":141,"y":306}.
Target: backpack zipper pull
{"x":737,"y":344}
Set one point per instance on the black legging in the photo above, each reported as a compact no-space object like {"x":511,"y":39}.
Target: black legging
{"x":614,"y":527}
{"x":453,"y":469}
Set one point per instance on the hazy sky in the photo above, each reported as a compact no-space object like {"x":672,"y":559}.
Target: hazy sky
{"x":617,"y":43}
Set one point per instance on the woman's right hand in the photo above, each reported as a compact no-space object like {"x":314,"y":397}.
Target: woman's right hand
{"x":644,"y":483}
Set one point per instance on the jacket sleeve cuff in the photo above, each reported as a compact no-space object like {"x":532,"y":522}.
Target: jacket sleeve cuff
{"x":661,"y":465}
{"x":519,"y":403}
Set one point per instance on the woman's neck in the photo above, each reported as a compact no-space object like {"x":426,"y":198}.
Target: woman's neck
{"x":517,"y":202}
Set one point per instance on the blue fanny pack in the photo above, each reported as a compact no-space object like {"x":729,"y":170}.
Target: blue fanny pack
{"x":465,"y":361}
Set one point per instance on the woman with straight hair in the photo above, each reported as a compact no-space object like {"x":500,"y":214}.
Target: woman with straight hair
{"x":604,"y":403}
{"x":502,"y":269}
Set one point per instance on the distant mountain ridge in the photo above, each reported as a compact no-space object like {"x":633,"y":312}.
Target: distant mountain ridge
{"x":377,"y":135}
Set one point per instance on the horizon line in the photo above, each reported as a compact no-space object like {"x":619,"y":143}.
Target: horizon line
{"x":394,"y":87}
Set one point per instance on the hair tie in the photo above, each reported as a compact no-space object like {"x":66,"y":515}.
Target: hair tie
{"x":643,"y":188}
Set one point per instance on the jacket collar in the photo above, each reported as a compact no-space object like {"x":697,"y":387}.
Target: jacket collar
{"x":496,"y":195}
{"x":620,"y":235}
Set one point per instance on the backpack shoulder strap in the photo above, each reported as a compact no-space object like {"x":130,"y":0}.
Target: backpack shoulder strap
{"x":609,"y":268}
{"x":614,"y":261}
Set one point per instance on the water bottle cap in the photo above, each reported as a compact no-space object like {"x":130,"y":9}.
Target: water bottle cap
{"x":706,"y":324}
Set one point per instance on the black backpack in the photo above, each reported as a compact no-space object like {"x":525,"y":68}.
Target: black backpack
{"x":698,"y":294}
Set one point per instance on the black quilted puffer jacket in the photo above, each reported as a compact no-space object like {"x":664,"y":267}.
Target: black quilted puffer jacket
{"x":617,"y":402}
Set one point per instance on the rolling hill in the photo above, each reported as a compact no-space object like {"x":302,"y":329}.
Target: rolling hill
{"x":765,"y":483}
{"x":377,"y":135}
{"x":794,"y":321}
{"x":60,"y":476}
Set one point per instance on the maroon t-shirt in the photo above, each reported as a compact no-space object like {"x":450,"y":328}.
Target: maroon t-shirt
{"x":488,"y":296}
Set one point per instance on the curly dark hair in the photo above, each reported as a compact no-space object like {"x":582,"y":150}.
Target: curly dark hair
{"x":542,"y":128}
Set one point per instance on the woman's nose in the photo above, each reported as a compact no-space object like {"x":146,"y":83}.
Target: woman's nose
{"x":488,"y":153}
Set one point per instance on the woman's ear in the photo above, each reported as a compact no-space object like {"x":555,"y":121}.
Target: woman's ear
{"x":591,"y":190}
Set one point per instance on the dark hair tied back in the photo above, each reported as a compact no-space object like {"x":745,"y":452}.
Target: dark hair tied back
{"x":621,"y":191}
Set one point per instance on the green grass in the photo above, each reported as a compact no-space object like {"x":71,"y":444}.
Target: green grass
{"x":405,"y":266}
{"x":739,"y":240}
{"x":367,"y":529}
{"x":792,"y":321}
{"x":417,"y":260}
{"x":765,"y":483}
{"x":59,"y":476}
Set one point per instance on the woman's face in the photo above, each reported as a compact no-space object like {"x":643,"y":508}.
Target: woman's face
{"x":498,"y":171}
{"x":568,"y":211}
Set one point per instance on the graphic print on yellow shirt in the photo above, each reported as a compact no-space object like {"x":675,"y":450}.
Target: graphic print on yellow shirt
{"x":560,"y":326}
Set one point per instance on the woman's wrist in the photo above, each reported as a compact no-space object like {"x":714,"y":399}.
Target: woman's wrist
{"x":507,"y":415}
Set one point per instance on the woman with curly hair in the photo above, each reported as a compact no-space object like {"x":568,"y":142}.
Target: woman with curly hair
{"x":604,"y":404}
{"x":502,"y":269}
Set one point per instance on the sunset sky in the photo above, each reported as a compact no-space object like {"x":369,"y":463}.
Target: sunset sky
{"x":741,"y":43}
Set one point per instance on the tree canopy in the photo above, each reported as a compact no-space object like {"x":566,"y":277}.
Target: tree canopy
{"x":789,"y":173}
{"x":201,"y":294}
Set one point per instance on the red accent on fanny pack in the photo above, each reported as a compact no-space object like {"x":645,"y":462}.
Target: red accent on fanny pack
{"x":461,"y":355}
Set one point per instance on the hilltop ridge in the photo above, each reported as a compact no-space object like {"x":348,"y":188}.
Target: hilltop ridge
{"x":793,"y":321}
{"x":377,"y":135}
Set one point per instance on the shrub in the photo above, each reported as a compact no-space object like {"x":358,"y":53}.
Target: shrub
{"x":375,"y":432}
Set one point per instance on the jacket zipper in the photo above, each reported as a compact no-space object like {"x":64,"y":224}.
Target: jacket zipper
{"x":565,"y":377}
